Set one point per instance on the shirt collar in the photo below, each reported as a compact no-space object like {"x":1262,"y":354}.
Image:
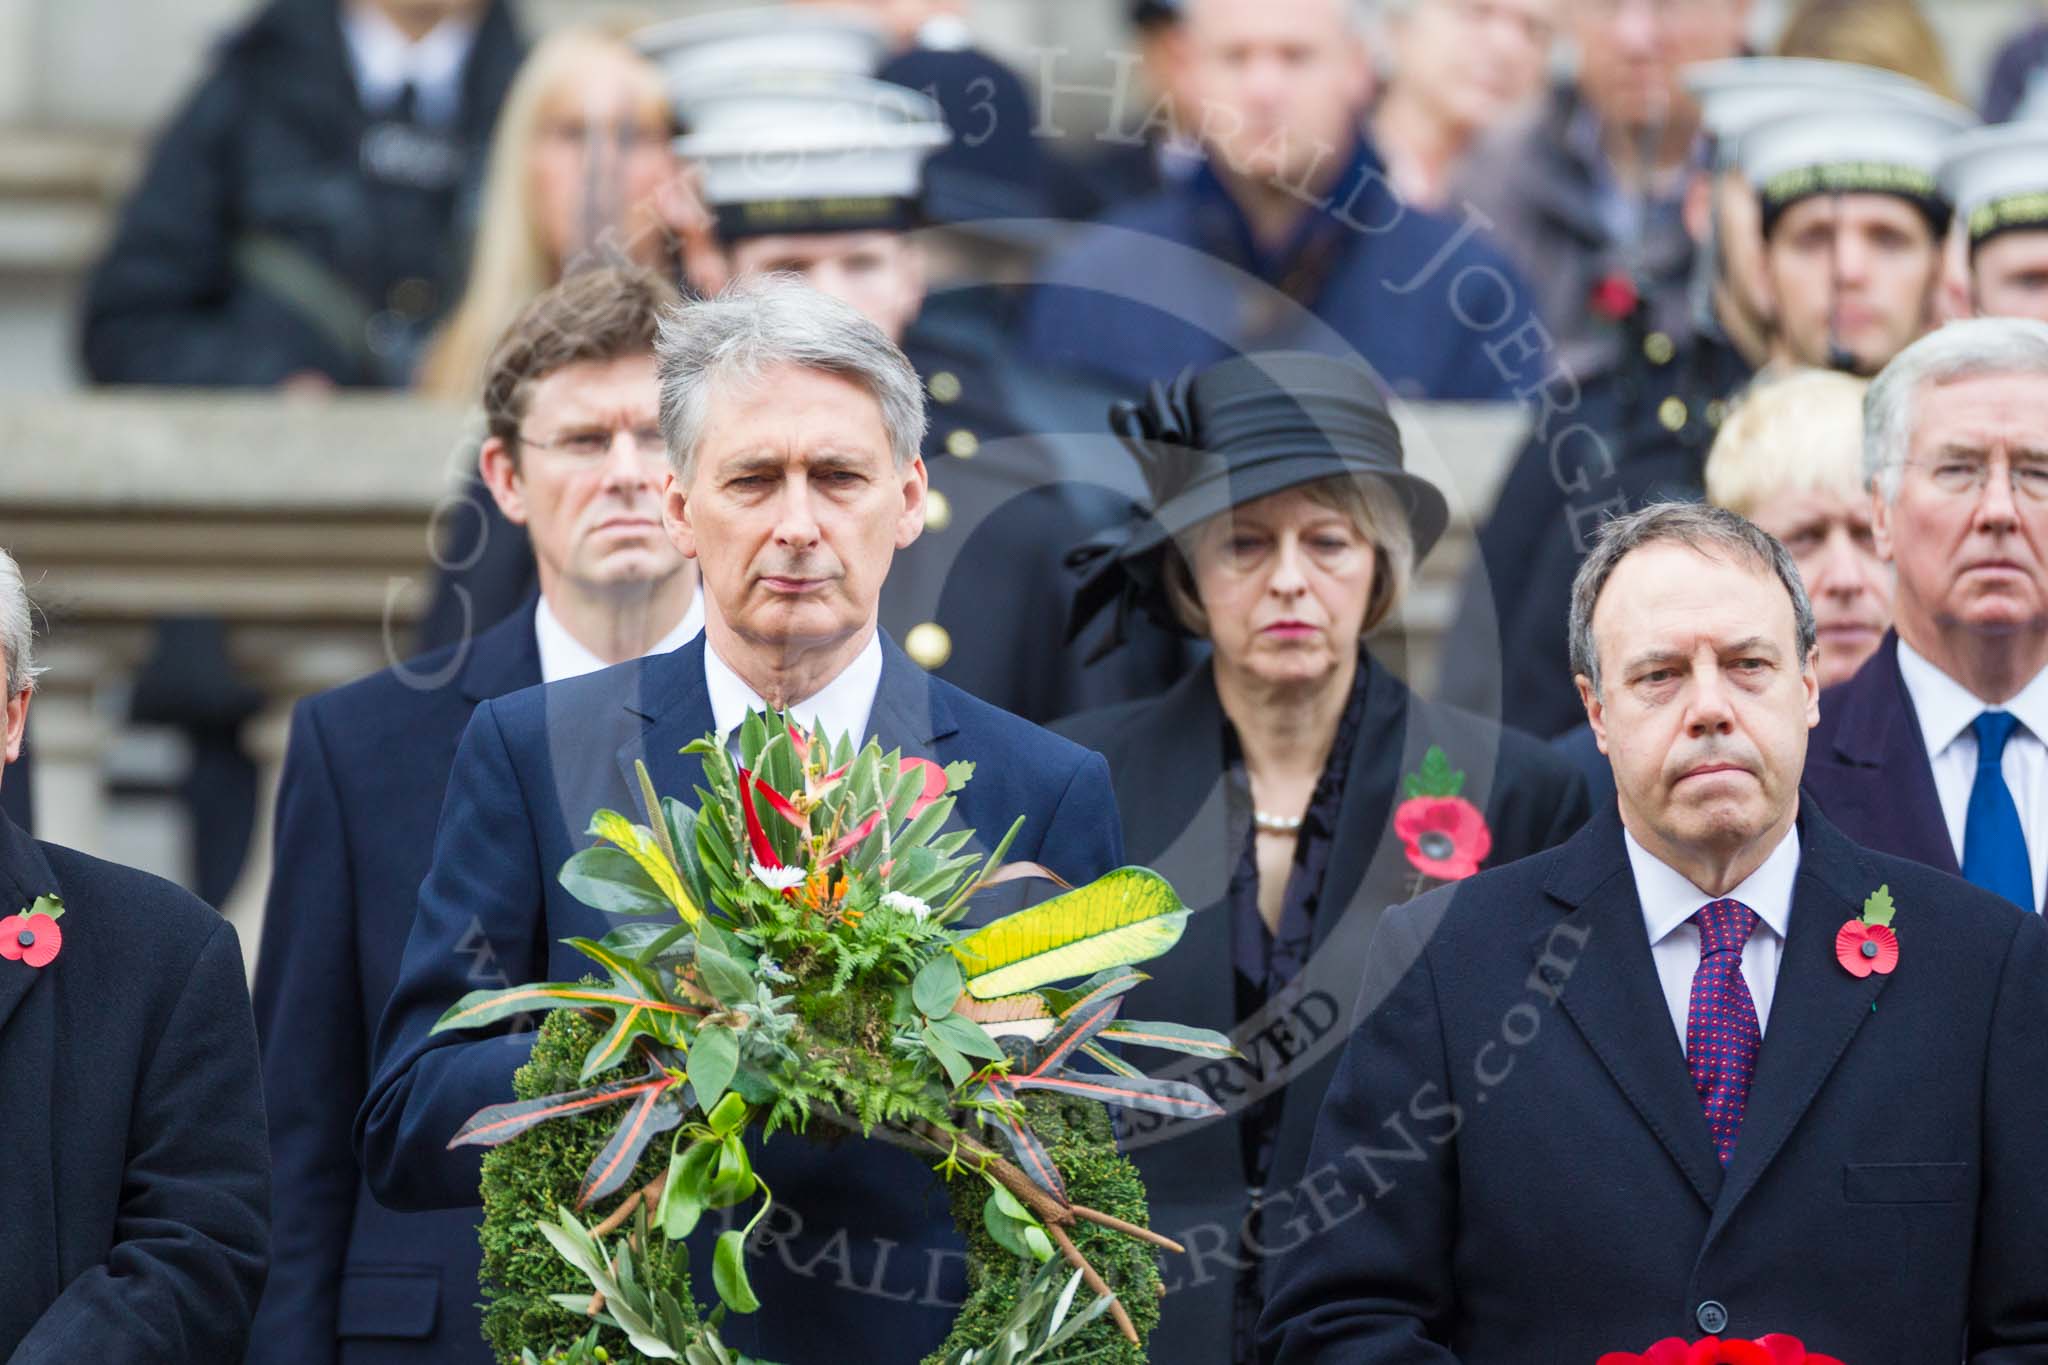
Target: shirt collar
{"x":562,"y":655}
{"x":1946,"y":708}
{"x":1669,"y":899}
{"x":384,"y":60}
{"x":841,"y":707}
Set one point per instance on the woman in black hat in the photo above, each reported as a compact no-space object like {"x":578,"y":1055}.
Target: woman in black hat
{"x":1291,"y":788}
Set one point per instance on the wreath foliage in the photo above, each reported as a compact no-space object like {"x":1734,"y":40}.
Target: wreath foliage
{"x":794,"y":947}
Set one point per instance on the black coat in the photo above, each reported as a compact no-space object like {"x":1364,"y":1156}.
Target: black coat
{"x":1639,"y":433}
{"x":17,"y":796}
{"x":1166,"y":758}
{"x":1513,"y":1166}
{"x":353,"y":1281}
{"x":134,"y":1212}
{"x":261,"y":177}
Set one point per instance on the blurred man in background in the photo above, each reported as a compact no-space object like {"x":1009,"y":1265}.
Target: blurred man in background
{"x":1455,"y":71}
{"x":1586,"y":196}
{"x":1290,"y":238}
{"x":1154,"y":147}
{"x":305,"y":217}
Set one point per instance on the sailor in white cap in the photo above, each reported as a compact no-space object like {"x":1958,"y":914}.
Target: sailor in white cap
{"x":1997,"y":177}
{"x":1853,"y":221}
{"x":1735,"y":95}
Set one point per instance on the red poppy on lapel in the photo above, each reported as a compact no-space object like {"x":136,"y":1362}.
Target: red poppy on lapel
{"x":1444,"y":836}
{"x":1870,"y":944}
{"x":1614,"y":296}
{"x":33,"y":936}
{"x":1770,"y":1350}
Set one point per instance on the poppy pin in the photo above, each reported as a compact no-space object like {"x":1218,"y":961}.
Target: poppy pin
{"x":1443,"y":834}
{"x":33,"y":936}
{"x":1870,"y":944}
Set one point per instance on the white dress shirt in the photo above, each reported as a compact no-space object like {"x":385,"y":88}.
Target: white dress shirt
{"x":1946,"y":710}
{"x":562,"y":655}
{"x":385,"y":61}
{"x":842,"y":706}
{"x":1670,"y":901}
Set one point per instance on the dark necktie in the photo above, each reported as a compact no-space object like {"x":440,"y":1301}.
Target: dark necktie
{"x":1722,"y":1034}
{"x":1994,"y":843}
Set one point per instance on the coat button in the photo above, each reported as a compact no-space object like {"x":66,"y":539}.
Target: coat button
{"x":1713,"y":1318}
{"x":945,"y":386}
{"x":938,"y":510}
{"x":929,"y":645}
{"x":1672,"y":412}
{"x":1658,"y":348}
{"x":963,"y":444}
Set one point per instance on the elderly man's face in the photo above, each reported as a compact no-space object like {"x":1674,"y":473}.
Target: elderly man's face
{"x":794,"y":508}
{"x":1631,"y":51}
{"x":586,"y":481}
{"x":1868,"y":263}
{"x":2009,"y":276}
{"x":1832,"y":540}
{"x":881,"y":275}
{"x":1476,"y":61}
{"x":1282,"y":85}
{"x":1704,"y":702}
{"x":1971,"y":551}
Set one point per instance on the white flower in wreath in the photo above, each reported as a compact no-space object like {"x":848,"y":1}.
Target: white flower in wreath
{"x":779,"y":878}
{"x":908,"y":904}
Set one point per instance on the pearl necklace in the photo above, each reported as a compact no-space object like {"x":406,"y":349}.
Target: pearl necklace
{"x":1276,"y":824}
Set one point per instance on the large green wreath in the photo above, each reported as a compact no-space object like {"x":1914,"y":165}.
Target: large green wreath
{"x":798,"y":958}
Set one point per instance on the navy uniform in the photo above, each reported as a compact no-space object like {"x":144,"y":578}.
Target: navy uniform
{"x":981,"y":597}
{"x":1642,"y":428}
{"x":1640,"y":434}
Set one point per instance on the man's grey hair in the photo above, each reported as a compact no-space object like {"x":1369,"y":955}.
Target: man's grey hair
{"x":1712,"y":531}
{"x":1975,"y":346}
{"x":17,"y":628}
{"x":764,"y":322}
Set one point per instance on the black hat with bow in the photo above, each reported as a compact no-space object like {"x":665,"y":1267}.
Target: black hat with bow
{"x":1241,"y":430}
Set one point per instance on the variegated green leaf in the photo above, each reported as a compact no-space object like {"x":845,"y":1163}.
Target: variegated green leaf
{"x":1130,"y":915}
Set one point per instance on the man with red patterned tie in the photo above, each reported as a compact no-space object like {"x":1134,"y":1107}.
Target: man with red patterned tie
{"x":1707,"y":1069}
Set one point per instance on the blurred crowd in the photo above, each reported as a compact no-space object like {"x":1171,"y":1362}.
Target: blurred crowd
{"x":1682,"y":247}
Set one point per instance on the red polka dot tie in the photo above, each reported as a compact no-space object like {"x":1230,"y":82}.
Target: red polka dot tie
{"x":1722,"y":1034}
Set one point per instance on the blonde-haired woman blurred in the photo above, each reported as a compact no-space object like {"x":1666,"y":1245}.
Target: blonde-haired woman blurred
{"x":1790,"y":458}
{"x":581,"y":170}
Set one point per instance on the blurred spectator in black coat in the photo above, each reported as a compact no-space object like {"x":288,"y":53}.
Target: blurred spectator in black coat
{"x":305,"y":216}
{"x":2018,"y":84}
{"x":1149,"y":144}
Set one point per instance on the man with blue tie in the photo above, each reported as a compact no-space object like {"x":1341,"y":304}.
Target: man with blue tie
{"x":1937,"y":748}
{"x":1707,"y":1069}
{"x":793,"y":427}
{"x":575,"y":457}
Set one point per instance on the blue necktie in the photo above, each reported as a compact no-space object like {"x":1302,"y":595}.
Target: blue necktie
{"x":1994,"y":843}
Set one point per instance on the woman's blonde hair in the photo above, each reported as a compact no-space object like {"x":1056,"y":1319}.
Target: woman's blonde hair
{"x":512,"y":262}
{"x":1375,"y":511}
{"x":1790,"y":435}
{"x":1891,"y":34}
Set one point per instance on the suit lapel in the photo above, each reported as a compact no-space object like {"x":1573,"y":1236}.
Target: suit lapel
{"x":1884,"y":763}
{"x":1816,"y":1009}
{"x":24,"y":875}
{"x":1616,"y":1001}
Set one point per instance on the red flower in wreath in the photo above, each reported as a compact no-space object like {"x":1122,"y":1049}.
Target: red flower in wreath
{"x":935,"y":781}
{"x":1770,"y":1350}
{"x":1863,"y":948}
{"x":34,"y":939}
{"x":1444,"y":836}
